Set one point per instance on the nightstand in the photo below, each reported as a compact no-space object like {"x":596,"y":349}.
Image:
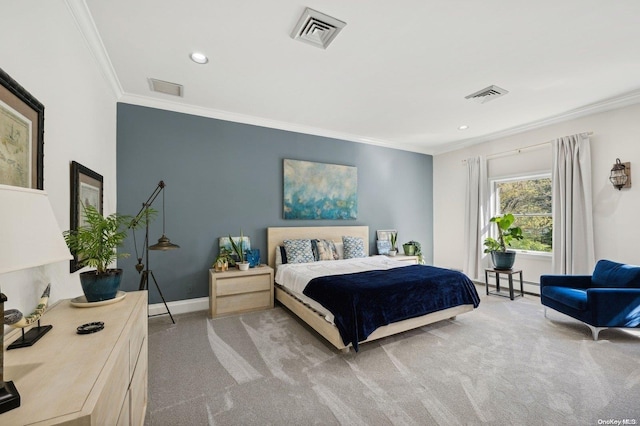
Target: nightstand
{"x":235,"y":291}
{"x":405,"y":258}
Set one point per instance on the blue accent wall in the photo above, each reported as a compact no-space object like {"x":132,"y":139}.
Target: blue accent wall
{"x":222,"y":177}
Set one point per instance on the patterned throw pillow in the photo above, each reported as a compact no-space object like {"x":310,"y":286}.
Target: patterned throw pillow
{"x":298,"y":251}
{"x":353,"y":247}
{"x":324,"y":250}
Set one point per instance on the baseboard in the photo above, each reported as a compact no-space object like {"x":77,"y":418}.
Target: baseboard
{"x":180,"y":306}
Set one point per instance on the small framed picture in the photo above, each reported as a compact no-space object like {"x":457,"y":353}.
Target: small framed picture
{"x":383,"y":246}
{"x":385,"y":235}
{"x":224,"y":243}
{"x":86,"y":190}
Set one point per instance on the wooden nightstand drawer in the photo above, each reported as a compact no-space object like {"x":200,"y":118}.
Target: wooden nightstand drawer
{"x":243,"y":285}
{"x":243,"y":302}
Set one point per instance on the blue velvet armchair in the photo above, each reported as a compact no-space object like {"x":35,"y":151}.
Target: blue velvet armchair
{"x":610,"y":297}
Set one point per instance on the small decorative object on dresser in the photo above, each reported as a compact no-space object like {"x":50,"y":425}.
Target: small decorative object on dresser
{"x":16,"y":319}
{"x":221,"y":263}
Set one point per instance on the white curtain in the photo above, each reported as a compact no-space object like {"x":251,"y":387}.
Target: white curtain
{"x":573,"y":251}
{"x":475,"y":227}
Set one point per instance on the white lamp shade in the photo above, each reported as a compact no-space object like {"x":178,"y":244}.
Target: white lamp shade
{"x":29,"y":233}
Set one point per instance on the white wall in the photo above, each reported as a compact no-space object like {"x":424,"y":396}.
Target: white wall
{"x":616,"y":133}
{"x":43,"y":50}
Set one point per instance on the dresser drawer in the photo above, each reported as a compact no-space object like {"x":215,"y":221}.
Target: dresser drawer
{"x":115,"y":390}
{"x":139,"y":334}
{"x":238,"y":285}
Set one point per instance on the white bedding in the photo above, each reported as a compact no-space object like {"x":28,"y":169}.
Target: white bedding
{"x":295,"y":276}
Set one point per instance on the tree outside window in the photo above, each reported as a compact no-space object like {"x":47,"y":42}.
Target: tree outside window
{"x":529,"y":200}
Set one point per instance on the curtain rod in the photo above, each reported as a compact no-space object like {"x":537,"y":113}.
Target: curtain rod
{"x":519,"y":150}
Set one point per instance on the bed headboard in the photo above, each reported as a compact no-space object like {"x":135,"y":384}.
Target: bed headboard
{"x":276,"y":236}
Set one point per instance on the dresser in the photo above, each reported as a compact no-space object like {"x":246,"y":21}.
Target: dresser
{"x":89,"y":379}
{"x":235,"y":291}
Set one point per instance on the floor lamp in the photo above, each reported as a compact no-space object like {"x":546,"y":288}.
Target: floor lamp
{"x":163,"y":244}
{"x":29,"y":237}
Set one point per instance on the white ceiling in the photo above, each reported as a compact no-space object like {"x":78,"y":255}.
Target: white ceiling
{"x":396,"y":75}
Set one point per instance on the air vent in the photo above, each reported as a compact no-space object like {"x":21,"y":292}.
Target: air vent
{"x":165,"y":87}
{"x":487,"y":94}
{"x":316,"y":28}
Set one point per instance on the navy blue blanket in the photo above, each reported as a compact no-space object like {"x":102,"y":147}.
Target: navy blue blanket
{"x":364,"y":301}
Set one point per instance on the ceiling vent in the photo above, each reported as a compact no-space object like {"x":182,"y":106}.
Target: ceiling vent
{"x":316,"y":28}
{"x":165,"y":87}
{"x":487,"y":94}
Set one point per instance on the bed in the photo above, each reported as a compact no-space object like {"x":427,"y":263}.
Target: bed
{"x":321,"y":319}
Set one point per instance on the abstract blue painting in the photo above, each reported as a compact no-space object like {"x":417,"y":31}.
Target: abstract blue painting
{"x":320,"y":191}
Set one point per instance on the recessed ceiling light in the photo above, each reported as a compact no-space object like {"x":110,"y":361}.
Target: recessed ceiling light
{"x":463,"y":127}
{"x":199,"y":58}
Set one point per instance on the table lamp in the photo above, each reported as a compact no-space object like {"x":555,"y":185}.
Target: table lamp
{"x":29,"y":237}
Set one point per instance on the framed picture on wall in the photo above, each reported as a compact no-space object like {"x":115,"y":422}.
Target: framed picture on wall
{"x":86,"y":190}
{"x":21,"y":136}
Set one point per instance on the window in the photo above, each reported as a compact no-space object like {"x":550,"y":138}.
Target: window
{"x":529,"y":200}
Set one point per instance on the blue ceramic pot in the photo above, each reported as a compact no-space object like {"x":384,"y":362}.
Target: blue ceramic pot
{"x":98,"y":287}
{"x":503,"y":259}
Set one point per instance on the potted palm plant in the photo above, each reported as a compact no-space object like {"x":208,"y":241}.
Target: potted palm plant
{"x":500,"y":256}
{"x":95,"y":246}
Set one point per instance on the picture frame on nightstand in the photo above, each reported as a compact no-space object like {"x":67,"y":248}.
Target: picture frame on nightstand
{"x":385,"y":234}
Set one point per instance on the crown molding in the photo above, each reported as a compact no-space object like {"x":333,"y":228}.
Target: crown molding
{"x":620,"y":101}
{"x":87,"y":27}
{"x":169,"y":105}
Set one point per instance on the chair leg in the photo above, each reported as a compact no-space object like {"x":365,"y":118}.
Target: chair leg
{"x":595,"y":331}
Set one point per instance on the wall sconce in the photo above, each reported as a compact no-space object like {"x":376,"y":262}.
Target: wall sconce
{"x":621,"y":175}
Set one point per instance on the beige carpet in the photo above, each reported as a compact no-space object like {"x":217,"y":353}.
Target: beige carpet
{"x":503,"y":364}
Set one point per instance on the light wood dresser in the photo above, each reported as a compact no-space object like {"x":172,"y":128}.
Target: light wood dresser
{"x":90,"y":379}
{"x":235,"y":291}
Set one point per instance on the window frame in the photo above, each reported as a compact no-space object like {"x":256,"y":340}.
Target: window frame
{"x":494,"y":207}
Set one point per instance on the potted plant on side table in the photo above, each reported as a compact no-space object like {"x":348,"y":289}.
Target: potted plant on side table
{"x":221,"y":263}
{"x":95,"y":245}
{"x":393,"y":237}
{"x":500,"y":256}
{"x":239,"y":250}
{"x":413,"y":248}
